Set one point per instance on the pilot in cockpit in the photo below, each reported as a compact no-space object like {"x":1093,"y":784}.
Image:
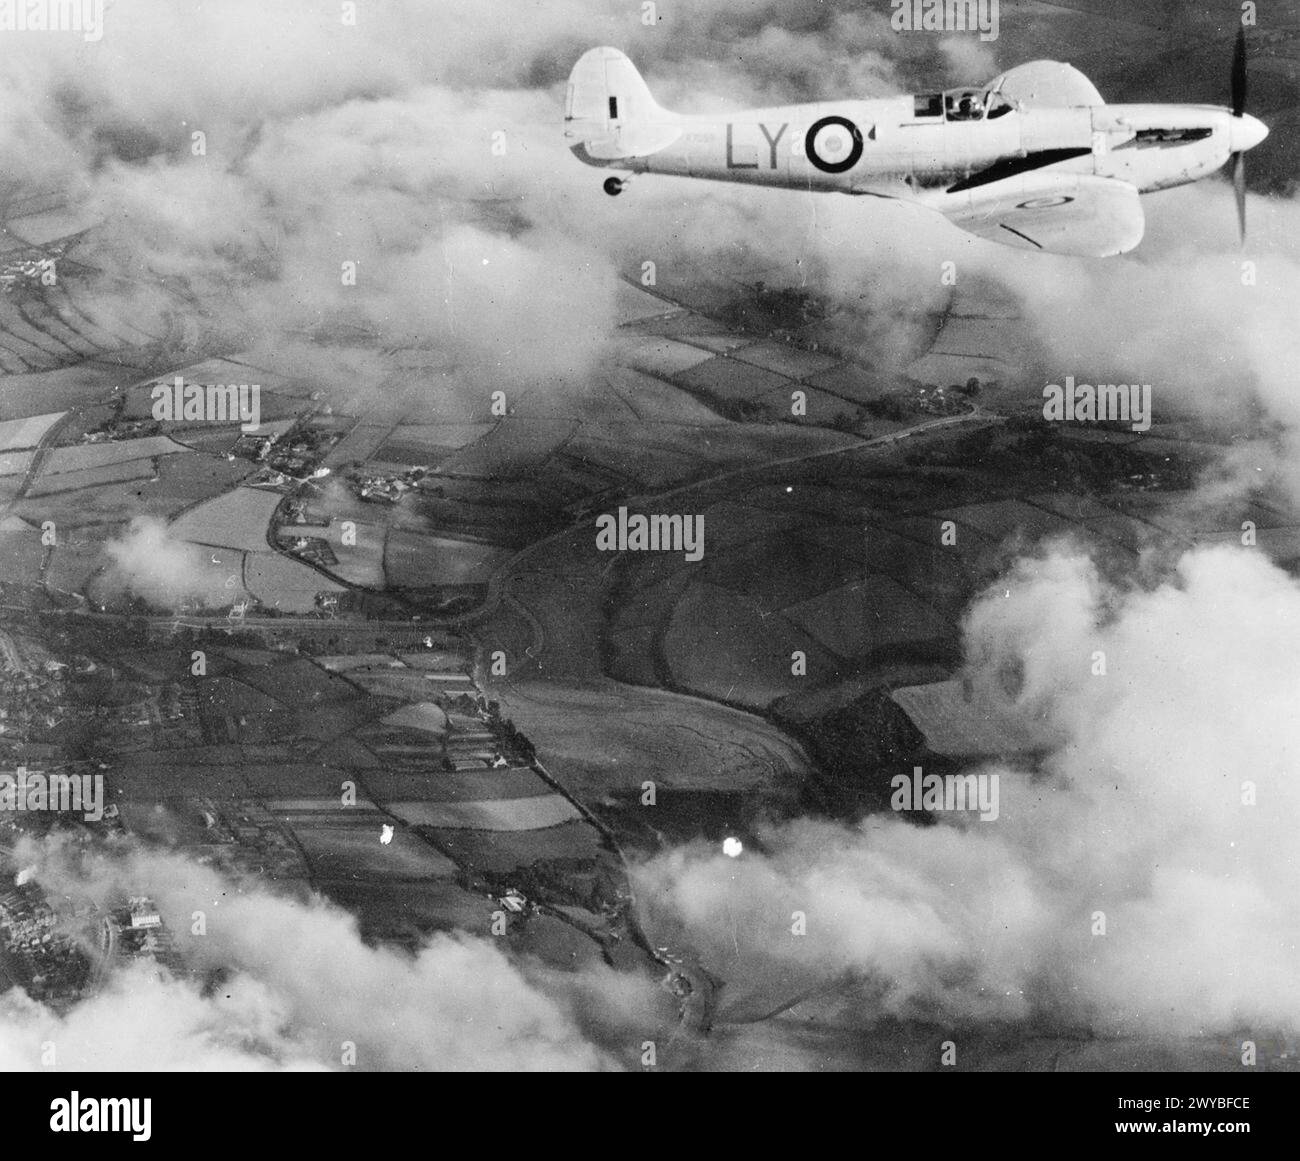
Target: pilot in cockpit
{"x":965,"y":106}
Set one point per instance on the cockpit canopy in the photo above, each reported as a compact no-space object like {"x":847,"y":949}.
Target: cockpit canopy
{"x":963,"y":105}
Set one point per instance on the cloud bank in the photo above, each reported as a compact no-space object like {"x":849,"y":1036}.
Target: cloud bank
{"x":299,"y":989}
{"x":1164,"y":818}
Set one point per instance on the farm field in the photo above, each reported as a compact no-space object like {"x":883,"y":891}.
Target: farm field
{"x":423,"y":561}
{"x":70,"y":481}
{"x":96,"y":455}
{"x":355,"y":853}
{"x":16,"y":463}
{"x":20,"y":433}
{"x":496,"y":814}
{"x":237,"y":519}
{"x":287,"y":585}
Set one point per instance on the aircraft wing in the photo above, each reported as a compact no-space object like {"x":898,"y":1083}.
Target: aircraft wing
{"x":1063,"y":213}
{"x":1047,"y":82}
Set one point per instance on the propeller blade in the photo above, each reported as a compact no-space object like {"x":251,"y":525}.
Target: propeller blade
{"x":1239,"y":73}
{"x":1239,"y":188}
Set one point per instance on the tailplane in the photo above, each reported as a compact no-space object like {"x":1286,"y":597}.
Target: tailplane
{"x":609,"y":114}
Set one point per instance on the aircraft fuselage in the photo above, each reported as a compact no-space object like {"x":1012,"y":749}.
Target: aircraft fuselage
{"x":914,"y":147}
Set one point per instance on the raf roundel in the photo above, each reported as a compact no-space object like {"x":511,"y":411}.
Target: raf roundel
{"x":827,"y":141}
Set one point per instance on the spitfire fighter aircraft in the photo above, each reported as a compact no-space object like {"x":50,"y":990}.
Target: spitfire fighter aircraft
{"x":1034,"y":159}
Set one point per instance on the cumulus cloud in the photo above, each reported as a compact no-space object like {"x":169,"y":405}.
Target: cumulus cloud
{"x":297,"y":986}
{"x":1168,"y":807}
{"x":146,"y":562}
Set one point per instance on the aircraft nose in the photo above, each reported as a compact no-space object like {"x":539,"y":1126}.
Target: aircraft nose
{"x":1245,"y":132}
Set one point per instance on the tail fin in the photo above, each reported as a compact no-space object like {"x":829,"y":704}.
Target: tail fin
{"x":609,"y":114}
